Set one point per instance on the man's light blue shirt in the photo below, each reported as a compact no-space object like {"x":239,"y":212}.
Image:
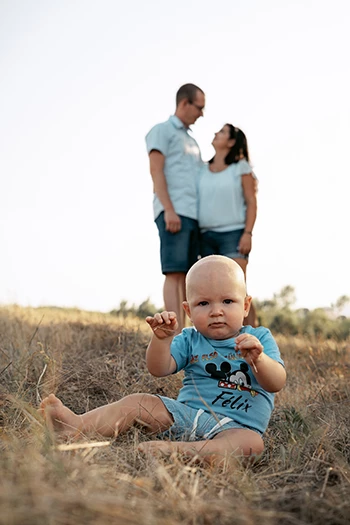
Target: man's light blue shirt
{"x":182,"y":163}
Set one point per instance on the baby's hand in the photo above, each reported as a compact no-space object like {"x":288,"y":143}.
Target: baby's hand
{"x":163,"y":325}
{"x":250,"y":349}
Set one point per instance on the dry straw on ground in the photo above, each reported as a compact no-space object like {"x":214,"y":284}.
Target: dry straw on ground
{"x":88,"y":359}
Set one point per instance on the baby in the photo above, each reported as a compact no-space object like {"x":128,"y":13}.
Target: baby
{"x":231,"y":373}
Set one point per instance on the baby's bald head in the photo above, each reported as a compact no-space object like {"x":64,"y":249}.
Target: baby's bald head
{"x":209,"y":271}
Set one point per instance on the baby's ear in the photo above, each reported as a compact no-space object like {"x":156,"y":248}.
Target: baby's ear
{"x":247,"y":303}
{"x":186,"y":307}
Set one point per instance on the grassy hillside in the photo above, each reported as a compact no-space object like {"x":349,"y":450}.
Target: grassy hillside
{"x":88,"y":359}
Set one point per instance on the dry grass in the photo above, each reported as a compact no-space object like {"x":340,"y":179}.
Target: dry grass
{"x":88,"y":359}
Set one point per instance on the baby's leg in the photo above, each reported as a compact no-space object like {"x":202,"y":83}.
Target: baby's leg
{"x":109,"y":420}
{"x":234,"y":442}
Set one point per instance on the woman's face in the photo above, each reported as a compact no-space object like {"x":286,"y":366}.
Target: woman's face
{"x":222,"y":139}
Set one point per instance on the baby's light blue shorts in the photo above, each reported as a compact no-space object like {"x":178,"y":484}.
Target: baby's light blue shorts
{"x":191,"y":424}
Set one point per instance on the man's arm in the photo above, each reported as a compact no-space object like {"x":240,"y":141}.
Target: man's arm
{"x":159,"y":360}
{"x":172,"y":220}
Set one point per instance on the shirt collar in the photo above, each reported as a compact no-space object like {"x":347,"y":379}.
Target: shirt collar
{"x":177,"y":122}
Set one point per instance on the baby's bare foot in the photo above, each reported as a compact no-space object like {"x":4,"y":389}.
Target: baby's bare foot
{"x":59,"y":417}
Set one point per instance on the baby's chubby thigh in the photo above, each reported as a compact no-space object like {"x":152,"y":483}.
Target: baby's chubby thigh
{"x":239,"y":441}
{"x":147,"y":410}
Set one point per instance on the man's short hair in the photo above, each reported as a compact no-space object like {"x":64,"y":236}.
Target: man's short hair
{"x":188,"y":91}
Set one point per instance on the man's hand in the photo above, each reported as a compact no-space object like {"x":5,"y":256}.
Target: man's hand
{"x":250,"y":349}
{"x":163,"y":325}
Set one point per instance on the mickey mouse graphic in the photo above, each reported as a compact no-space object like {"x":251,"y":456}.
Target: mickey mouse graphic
{"x":236,"y":380}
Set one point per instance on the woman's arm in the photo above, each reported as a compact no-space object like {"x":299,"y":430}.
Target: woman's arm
{"x":249,"y":186}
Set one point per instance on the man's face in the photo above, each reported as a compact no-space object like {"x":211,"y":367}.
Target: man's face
{"x":195,"y":109}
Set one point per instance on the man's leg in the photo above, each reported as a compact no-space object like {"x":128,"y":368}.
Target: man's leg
{"x":108,"y":420}
{"x":178,"y":251}
{"x":174,"y":295}
{"x":238,"y":442}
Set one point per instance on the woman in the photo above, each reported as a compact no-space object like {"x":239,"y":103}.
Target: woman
{"x":227,"y":201}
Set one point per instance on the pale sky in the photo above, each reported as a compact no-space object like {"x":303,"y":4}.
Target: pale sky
{"x":81,"y":84}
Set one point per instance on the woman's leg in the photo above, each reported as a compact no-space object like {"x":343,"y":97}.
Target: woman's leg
{"x":108,"y":420}
{"x":235,"y":442}
{"x":251,"y":318}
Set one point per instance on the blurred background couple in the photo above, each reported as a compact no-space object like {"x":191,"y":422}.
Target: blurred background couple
{"x":200,"y":208}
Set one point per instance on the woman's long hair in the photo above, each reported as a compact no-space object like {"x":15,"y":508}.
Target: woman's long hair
{"x":240,"y":148}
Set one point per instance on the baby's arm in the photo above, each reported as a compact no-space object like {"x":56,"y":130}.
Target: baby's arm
{"x":159,"y":361}
{"x":270,"y":374}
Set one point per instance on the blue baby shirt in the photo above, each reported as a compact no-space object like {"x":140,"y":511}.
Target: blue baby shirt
{"x":182,"y":163}
{"x":218,"y":380}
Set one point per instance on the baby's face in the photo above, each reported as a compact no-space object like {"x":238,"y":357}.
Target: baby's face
{"x":217,"y":303}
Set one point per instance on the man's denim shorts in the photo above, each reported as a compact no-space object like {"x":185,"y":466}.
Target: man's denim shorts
{"x":191,"y":424}
{"x":178,"y":251}
{"x":221,"y":243}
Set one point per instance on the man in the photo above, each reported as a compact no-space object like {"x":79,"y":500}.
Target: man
{"x":174,"y":162}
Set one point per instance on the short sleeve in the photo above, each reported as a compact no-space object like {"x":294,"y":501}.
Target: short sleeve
{"x":243,"y":168}
{"x":270,"y":346}
{"x":181,"y":348}
{"x":157,"y":139}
